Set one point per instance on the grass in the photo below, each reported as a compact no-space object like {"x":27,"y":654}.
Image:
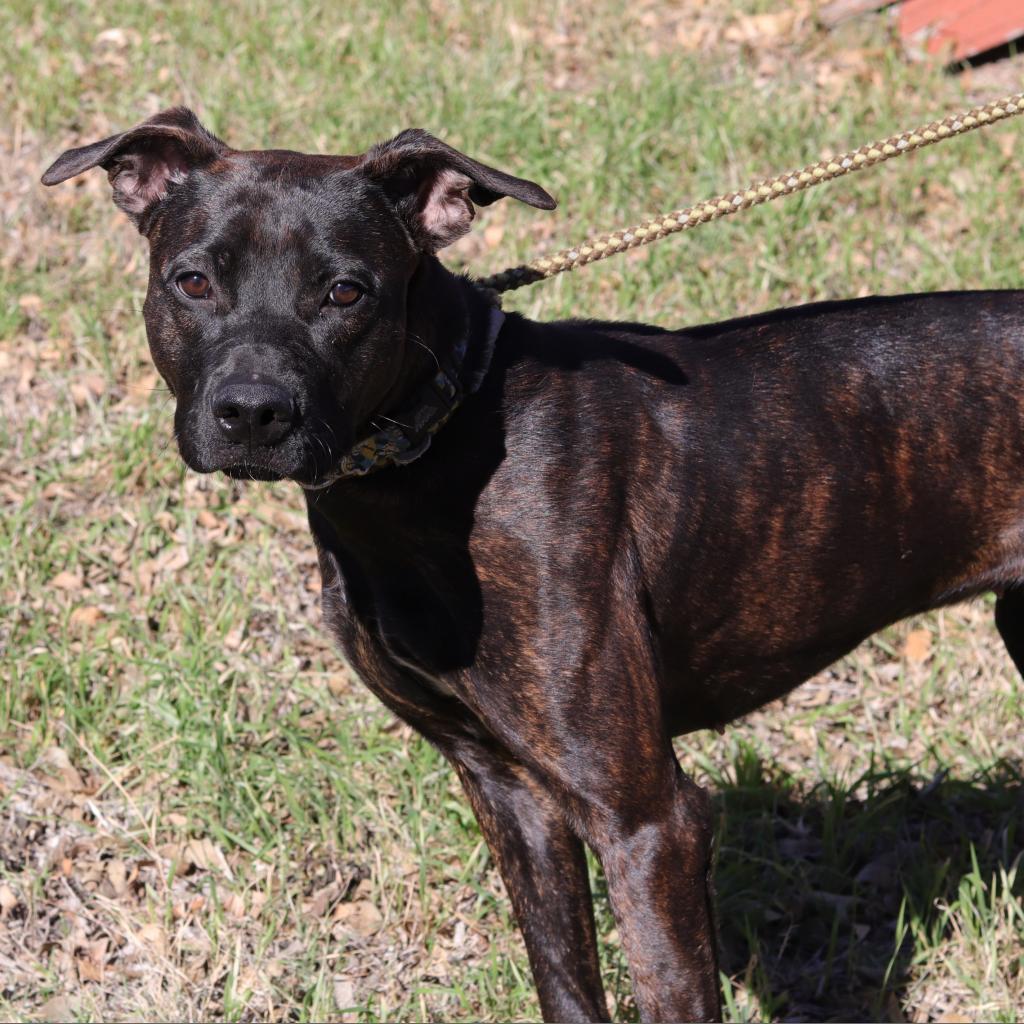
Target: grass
{"x":202,"y":814}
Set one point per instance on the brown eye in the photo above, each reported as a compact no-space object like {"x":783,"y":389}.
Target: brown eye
{"x":195,"y":286}
{"x":344,"y":293}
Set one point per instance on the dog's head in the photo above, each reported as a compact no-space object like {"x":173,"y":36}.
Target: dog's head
{"x":279,"y":309}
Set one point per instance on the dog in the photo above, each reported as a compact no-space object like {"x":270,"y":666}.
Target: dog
{"x":551,"y":547}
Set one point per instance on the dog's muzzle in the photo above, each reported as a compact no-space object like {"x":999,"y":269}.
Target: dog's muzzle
{"x":253,"y":411}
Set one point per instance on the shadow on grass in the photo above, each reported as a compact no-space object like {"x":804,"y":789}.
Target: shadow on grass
{"x":823,"y":895}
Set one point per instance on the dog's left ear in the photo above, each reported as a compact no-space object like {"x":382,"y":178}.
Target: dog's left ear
{"x":434,"y":186}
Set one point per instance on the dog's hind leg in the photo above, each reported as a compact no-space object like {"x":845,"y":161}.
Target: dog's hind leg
{"x":545,"y":872}
{"x":1010,"y":623}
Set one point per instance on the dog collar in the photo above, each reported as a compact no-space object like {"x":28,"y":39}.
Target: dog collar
{"x":414,"y":426}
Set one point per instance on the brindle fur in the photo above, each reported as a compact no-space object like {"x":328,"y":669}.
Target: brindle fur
{"x":626,"y":534}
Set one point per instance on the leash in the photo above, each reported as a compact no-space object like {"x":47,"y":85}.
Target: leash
{"x":603,"y":246}
{"x":409,"y":435}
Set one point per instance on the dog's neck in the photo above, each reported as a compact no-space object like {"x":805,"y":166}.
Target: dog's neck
{"x":448,"y":318}
{"x":449,"y":355}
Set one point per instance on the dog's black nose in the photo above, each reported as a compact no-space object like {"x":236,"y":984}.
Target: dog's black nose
{"x":253,"y":411}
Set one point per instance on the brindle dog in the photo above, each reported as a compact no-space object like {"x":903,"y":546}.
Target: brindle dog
{"x":623,"y":533}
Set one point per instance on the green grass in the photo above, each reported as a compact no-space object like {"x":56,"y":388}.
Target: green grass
{"x":165,"y":675}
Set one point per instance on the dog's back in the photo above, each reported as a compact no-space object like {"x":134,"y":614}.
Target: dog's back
{"x":778,"y":487}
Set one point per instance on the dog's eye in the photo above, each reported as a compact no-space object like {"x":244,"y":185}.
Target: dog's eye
{"x":194,"y":285}
{"x":344,"y":293}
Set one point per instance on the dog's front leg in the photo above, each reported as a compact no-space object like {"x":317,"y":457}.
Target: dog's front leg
{"x":654,"y":842}
{"x":545,"y":872}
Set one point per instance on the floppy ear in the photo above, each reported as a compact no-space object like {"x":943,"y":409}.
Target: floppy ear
{"x":434,"y":186}
{"x":144,"y":160}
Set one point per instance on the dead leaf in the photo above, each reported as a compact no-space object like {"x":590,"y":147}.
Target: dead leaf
{"x":172,"y":559}
{"x":203,"y":853}
{"x":57,"y":1008}
{"x":233,"y":638}
{"x":86,"y":615}
{"x":153,"y":936}
{"x":256,"y":903}
{"x":118,"y":38}
{"x":283,"y":518}
{"x":199,"y":853}
{"x":693,"y":35}
{"x":918,"y":645}
{"x":8,"y":901}
{"x":756,"y":29}
{"x":176,"y":559}
{"x":811,"y":696}
{"x":338,"y":683}
{"x":117,"y":873}
{"x":882,"y":872}
{"x":56,"y":759}
{"x":56,"y":489}
{"x":361,"y":917}
{"x":67,"y":581}
{"x":88,"y":970}
{"x":345,"y":997}
{"x":234,"y":905}
{"x":322,"y":900}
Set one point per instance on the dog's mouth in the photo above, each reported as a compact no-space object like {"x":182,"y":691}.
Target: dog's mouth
{"x":310,"y":464}
{"x":252,"y":471}
{"x":302,"y":469}
{"x":313,"y":465}
{"x":258,"y":472}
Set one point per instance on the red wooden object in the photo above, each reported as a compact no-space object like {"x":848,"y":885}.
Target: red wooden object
{"x":960,"y":28}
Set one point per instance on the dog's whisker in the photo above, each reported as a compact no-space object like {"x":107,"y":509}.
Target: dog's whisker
{"x":397,"y":423}
{"x":426,"y":348}
{"x":334,"y":437}
{"x":310,"y":452}
{"x":322,"y":443}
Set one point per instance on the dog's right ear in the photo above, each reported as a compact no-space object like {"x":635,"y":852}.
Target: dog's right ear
{"x":142,"y":162}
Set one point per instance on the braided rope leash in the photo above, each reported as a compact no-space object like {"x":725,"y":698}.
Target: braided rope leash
{"x":648,"y":231}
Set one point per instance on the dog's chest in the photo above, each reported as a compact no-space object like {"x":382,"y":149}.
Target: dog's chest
{"x":408,"y":629}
